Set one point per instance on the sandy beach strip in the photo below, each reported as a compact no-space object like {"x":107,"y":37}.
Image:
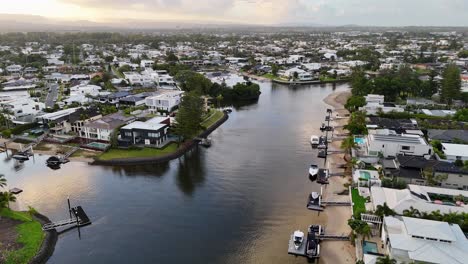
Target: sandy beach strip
{"x":336,"y":252}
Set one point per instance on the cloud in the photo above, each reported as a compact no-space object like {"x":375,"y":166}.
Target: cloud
{"x":331,"y":12}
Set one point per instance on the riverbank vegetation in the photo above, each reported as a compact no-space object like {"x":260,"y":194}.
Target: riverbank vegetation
{"x":21,"y":236}
{"x":191,"y":81}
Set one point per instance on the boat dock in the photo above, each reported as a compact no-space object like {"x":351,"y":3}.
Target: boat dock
{"x":333,"y":237}
{"x":78,"y":218}
{"x":335,"y":203}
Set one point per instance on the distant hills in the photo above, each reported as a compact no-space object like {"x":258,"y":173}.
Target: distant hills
{"x":34,"y":23}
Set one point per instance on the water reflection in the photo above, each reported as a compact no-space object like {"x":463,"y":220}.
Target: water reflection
{"x":149,"y":170}
{"x":190,"y":171}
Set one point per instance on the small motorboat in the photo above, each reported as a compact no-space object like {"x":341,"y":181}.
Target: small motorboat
{"x":314,"y":202}
{"x":313,"y":170}
{"x":53,"y":161}
{"x":314,"y":140}
{"x":323,"y":127}
{"x":298,"y":239}
{"x":206,"y":142}
{"x":21,"y":156}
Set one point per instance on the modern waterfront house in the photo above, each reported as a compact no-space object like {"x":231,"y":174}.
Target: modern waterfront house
{"x":387,"y":144}
{"x":152,"y":132}
{"x":414,"y":240}
{"x":165,"y":102}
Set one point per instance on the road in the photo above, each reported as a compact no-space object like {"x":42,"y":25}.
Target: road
{"x":52,"y":95}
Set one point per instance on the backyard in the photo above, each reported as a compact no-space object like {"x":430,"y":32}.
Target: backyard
{"x":359,"y":202}
{"x":138,"y":153}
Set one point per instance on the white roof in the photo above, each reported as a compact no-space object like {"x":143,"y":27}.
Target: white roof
{"x":152,"y":124}
{"x":428,"y":228}
{"x":401,"y":232}
{"x":400,"y":200}
{"x":455,"y":149}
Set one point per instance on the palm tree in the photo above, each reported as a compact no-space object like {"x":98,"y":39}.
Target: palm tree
{"x":9,"y":197}
{"x":2,"y":181}
{"x":385,"y":260}
{"x":348,"y":143}
{"x":412,"y":212}
{"x":384,"y":210}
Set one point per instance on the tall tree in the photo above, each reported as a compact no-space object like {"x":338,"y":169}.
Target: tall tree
{"x":451,"y":84}
{"x":189,"y":116}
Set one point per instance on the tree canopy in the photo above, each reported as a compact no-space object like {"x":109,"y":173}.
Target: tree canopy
{"x":451,"y":84}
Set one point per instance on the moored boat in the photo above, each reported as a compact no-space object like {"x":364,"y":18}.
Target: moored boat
{"x":314,"y":140}
{"x":298,"y":238}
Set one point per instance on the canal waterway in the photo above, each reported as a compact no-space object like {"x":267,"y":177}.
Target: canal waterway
{"x":235,"y":202}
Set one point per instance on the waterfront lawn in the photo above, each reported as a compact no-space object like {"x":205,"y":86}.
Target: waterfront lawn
{"x":137,"y":153}
{"x":359,"y":202}
{"x":213,"y":118}
{"x":30,"y":236}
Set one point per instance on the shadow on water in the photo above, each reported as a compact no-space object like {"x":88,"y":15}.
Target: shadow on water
{"x":148,"y":170}
{"x":190,"y":171}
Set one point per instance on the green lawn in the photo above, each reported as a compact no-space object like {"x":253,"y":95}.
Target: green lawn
{"x":217,"y":115}
{"x":359,"y":202}
{"x":30,"y":235}
{"x":273,"y":77}
{"x":325,"y":78}
{"x":137,"y":153}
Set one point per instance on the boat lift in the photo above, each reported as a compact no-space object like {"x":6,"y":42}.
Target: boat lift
{"x":78,"y":218}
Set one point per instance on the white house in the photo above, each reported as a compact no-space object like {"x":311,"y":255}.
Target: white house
{"x":135,"y":78}
{"x":414,"y":240}
{"x":375,"y":103}
{"x":392,"y":145}
{"x":14,"y":68}
{"x":102,"y":128}
{"x":455,"y":152}
{"x":416,"y":196}
{"x":23,"y":106}
{"x":301,"y":74}
{"x":146,"y":64}
{"x":166,"y":101}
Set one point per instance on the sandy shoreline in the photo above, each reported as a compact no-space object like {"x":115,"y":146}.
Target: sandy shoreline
{"x":51,"y":149}
{"x":336,"y":217}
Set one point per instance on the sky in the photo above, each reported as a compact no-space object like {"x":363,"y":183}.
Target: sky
{"x":267,"y":12}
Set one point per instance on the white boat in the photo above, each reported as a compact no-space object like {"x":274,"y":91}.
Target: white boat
{"x":313,"y":170}
{"x":315,"y":195}
{"x":298,"y":238}
{"x":314,"y":140}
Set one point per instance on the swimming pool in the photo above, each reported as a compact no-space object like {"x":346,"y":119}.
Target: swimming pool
{"x":98,"y":145}
{"x":369,"y":247}
{"x":364,"y":175}
{"x":359,"y":141}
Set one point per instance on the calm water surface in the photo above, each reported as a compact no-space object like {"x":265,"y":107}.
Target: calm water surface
{"x":236,"y":202}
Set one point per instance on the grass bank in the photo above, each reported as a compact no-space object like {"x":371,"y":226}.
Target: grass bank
{"x":213,"y":118}
{"x":30,"y":236}
{"x":359,"y":202}
{"x":137,"y":153}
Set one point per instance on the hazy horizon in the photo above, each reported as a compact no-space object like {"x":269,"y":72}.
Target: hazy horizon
{"x":394,"y":13}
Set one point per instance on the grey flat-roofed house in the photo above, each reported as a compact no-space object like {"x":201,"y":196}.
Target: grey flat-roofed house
{"x":152,"y":132}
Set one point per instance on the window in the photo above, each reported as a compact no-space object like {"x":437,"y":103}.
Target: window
{"x":128,"y":134}
{"x":405,"y":147}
